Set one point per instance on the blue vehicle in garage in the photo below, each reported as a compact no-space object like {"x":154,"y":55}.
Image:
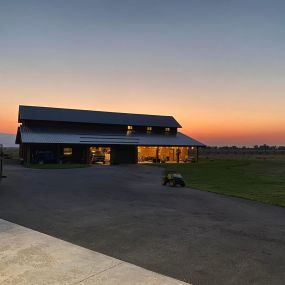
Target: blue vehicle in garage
{"x":45,"y":157}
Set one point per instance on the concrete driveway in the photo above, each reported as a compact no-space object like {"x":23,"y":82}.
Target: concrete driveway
{"x":123,"y":212}
{"x":28,"y":257}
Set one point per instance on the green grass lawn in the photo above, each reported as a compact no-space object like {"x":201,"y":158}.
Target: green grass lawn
{"x":12,"y":152}
{"x":256,"y":178}
{"x":56,"y":166}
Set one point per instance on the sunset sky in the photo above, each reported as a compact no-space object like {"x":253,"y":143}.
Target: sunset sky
{"x":217,"y":66}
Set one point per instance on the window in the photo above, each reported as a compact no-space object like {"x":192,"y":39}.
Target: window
{"x":67,"y":151}
{"x":148,"y":130}
{"x":130,"y":130}
{"x":167,"y":130}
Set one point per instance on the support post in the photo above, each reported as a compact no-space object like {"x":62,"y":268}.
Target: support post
{"x":157,"y":154}
{"x":28,"y":154}
{"x":58,"y":156}
{"x":87,"y":150}
{"x":1,"y":161}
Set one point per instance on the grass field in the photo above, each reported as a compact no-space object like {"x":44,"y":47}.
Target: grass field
{"x":256,"y":178}
{"x":12,"y":152}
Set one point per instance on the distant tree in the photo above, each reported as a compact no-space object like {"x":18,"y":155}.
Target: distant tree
{"x":264,"y":147}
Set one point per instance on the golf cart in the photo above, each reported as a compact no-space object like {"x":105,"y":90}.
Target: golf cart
{"x":173,"y":178}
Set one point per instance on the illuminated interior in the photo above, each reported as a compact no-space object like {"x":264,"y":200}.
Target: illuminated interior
{"x":99,"y":155}
{"x":166,"y":154}
{"x":130,"y":130}
{"x":67,"y":151}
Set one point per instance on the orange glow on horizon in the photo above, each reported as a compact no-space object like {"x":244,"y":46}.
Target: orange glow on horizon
{"x":205,"y":131}
{"x":218,"y":69}
{"x":211,"y":123}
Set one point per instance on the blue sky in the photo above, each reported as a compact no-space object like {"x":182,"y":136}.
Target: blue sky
{"x":217,"y":66}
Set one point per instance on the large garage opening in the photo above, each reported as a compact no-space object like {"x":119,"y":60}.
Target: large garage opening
{"x":166,"y":154}
{"x":99,"y":155}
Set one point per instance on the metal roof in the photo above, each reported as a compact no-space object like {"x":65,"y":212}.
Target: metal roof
{"x":58,"y":136}
{"x":94,"y":117}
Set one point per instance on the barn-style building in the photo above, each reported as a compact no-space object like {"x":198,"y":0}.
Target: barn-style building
{"x":79,"y":136}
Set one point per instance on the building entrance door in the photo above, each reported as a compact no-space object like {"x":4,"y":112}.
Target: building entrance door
{"x":100,"y":155}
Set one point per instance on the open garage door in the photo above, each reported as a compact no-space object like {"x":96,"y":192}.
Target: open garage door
{"x":164,"y":154}
{"x":100,"y":155}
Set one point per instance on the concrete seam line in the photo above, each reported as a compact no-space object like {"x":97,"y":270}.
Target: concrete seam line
{"x":98,"y":273}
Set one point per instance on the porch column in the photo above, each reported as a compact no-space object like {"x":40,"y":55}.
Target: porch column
{"x":87,"y":154}
{"x":58,"y":155}
{"x":28,"y":147}
{"x":157,"y":154}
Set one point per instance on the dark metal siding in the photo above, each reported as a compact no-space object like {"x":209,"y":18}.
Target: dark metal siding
{"x":98,"y":117}
{"x":124,"y":154}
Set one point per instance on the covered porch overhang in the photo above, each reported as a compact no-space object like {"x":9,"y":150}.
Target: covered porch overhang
{"x":155,"y":147}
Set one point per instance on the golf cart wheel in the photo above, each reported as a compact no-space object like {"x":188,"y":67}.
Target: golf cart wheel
{"x":172,"y":183}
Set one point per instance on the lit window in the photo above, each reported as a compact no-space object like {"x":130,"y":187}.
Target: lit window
{"x":130,"y":130}
{"x":67,"y":151}
{"x":167,"y":129}
{"x":149,"y":129}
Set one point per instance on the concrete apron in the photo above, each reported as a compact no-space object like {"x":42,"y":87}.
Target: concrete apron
{"x":30,"y":257}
